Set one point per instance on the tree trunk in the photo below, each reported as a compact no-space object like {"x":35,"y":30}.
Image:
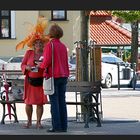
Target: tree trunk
{"x":84,"y":38}
{"x":84,"y":54}
{"x":134,"y":44}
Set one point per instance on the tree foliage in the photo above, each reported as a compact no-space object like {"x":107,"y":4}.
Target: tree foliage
{"x":133,"y":17}
{"x":127,"y":16}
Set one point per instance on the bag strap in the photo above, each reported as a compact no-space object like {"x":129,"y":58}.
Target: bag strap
{"x":52,"y":58}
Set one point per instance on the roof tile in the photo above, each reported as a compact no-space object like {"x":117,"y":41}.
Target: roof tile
{"x":110,"y":33}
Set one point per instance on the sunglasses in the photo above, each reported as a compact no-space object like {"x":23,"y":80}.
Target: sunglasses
{"x":38,"y":44}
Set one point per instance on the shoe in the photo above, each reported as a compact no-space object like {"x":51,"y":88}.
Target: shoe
{"x":52,"y":130}
{"x":63,"y":130}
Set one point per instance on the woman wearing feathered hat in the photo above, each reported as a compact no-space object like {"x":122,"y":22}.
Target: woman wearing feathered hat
{"x":33,"y":91}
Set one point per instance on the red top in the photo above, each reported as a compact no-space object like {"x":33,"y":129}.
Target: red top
{"x":61,"y":67}
{"x":32,"y":95}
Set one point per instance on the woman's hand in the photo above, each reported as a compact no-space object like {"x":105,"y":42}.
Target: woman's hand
{"x":28,"y":68}
{"x":38,"y":65}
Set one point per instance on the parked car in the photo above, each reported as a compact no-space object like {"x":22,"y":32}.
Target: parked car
{"x":14,"y":63}
{"x":72,"y":63}
{"x":2,"y":64}
{"x":5,"y":58}
{"x":110,"y":71}
{"x":72,"y":68}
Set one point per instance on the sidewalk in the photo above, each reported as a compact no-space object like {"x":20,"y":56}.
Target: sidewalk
{"x":108,"y":128}
{"x":121,"y":116}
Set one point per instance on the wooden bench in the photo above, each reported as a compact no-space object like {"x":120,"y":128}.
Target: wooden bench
{"x":91,"y":92}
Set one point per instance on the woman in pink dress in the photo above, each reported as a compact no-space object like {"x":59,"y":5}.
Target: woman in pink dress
{"x":33,"y":95}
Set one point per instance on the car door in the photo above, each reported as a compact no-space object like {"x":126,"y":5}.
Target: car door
{"x":14,"y":63}
{"x":109,"y":67}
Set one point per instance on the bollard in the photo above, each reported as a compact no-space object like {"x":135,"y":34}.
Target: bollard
{"x":134,"y":76}
{"x":118,"y":65}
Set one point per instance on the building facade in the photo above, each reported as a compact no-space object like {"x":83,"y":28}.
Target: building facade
{"x":15,"y":26}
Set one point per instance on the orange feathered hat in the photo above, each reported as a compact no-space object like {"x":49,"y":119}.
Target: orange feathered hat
{"x":36,"y":33}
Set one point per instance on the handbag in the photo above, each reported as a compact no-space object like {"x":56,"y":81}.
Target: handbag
{"x":48,"y":83}
{"x":35,"y":81}
{"x":48,"y":86}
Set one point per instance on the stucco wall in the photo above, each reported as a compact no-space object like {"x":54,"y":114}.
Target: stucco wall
{"x":7,"y":46}
{"x":71,"y":29}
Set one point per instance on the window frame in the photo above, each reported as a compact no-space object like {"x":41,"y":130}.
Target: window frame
{"x":59,"y":19}
{"x":9,"y":26}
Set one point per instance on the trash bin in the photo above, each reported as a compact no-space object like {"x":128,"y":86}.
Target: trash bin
{"x":126,"y":73}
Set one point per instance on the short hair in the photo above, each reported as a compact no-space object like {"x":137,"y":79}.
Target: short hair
{"x":55,"y":31}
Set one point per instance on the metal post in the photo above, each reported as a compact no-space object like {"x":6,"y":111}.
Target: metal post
{"x":92,"y":46}
{"x":118,"y":64}
{"x":134,"y":76}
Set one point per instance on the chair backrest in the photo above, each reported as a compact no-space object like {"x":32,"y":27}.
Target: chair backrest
{"x":83,"y":86}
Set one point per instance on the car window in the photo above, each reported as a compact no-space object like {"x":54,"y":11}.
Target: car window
{"x":107,"y":59}
{"x":16,"y":60}
{"x":72,"y":60}
{"x":112,"y":60}
{"x":2,"y":61}
{"x":118,"y":60}
{"x":5,"y":58}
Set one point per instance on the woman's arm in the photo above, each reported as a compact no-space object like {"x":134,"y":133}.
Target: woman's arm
{"x":47,"y":56}
{"x":24,"y":66}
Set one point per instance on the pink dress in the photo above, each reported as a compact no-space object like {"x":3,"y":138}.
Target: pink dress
{"x":32,"y":95}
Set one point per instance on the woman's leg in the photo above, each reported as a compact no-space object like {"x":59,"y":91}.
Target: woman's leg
{"x":62,"y":104}
{"x":39,"y":113}
{"x":55,"y":113}
{"x":58,"y":105}
{"x":29,"y":110}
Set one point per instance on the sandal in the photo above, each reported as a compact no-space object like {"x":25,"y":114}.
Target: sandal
{"x":26,"y":126}
{"x":39,"y":126}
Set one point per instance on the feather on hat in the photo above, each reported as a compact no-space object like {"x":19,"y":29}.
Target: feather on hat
{"x":37,"y":33}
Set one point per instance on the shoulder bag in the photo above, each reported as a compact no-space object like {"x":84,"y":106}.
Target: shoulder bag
{"x":48,"y":83}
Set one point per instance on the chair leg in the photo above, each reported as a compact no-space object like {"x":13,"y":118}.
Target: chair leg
{"x":3,"y":116}
{"x":87,"y":117}
{"x":15,"y":114}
